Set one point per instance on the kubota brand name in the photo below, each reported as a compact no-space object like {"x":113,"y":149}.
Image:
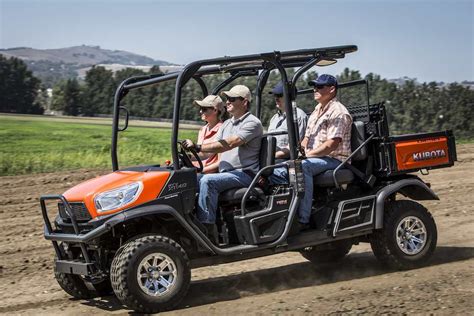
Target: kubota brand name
{"x":425,"y":155}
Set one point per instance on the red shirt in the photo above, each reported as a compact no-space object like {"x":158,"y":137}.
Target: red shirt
{"x":206,"y":136}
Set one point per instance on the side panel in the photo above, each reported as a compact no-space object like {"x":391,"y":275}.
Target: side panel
{"x":354,"y":215}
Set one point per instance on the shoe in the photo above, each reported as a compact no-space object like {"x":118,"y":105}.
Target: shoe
{"x":298,"y":227}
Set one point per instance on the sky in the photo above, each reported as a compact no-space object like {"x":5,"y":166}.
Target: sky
{"x":422,"y":39}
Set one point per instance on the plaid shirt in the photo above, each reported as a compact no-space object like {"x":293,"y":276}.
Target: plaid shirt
{"x":334,"y":122}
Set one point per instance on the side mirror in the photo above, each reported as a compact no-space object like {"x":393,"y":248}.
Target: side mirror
{"x":123,"y":123}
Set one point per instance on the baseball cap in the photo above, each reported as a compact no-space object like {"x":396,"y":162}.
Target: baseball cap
{"x":238,"y":91}
{"x":324,"y":80}
{"x":211,"y":101}
{"x":278,"y":88}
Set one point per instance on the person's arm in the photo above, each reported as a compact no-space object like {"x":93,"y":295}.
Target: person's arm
{"x":282,"y":153}
{"x":219,"y":146}
{"x":324,"y":149}
{"x":248,"y":132}
{"x":304,"y":143}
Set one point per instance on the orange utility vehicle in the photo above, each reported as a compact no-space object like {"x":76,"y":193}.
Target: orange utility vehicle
{"x":135,"y":231}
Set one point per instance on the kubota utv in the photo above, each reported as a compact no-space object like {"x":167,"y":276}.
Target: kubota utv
{"x":134,"y":232}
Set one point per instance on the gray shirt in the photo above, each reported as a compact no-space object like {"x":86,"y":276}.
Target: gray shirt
{"x":245,"y":157}
{"x":278,"y":124}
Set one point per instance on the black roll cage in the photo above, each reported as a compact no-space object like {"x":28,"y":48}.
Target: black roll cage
{"x":236,"y":66}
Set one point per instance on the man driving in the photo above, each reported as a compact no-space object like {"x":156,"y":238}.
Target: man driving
{"x":238,"y":143}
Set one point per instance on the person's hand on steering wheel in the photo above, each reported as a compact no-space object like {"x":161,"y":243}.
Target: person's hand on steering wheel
{"x":188,"y":144}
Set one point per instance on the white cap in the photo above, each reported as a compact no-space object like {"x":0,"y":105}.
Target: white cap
{"x":211,"y":101}
{"x":238,"y":91}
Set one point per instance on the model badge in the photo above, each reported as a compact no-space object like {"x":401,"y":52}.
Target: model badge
{"x":176,"y":186}
{"x":282,"y":202}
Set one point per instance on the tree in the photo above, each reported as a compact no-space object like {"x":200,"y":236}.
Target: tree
{"x":18,"y":87}
{"x":98,"y":92}
{"x":72,"y":98}
{"x":67,"y":97}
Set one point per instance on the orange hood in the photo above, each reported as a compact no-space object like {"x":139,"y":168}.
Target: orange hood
{"x":153,"y":182}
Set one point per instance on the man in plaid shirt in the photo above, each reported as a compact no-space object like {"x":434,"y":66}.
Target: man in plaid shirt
{"x":327,"y":139}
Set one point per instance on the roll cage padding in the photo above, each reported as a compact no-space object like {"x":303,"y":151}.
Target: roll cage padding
{"x":413,"y":188}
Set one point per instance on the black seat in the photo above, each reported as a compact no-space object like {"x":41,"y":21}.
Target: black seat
{"x":343,"y":175}
{"x":325,"y":179}
{"x":266,"y":158}
{"x":236,"y":195}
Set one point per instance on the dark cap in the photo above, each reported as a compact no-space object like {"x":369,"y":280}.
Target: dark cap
{"x":278,"y":88}
{"x":324,"y":80}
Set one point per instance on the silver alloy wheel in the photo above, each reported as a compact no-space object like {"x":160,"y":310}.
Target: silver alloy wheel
{"x":157,"y":274}
{"x":411,"y":235}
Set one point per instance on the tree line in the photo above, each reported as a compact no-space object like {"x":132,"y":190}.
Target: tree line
{"x":411,"y":107}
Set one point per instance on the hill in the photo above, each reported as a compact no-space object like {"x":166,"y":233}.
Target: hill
{"x":52,"y":65}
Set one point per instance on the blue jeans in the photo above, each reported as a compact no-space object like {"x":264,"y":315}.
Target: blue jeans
{"x":311,"y":167}
{"x":210,"y":185}
{"x":279,"y":176}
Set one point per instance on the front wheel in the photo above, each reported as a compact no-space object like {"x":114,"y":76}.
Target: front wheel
{"x":151,"y":274}
{"x":408,"y":238}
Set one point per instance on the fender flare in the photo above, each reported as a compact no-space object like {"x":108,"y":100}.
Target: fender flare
{"x":413,"y":188}
{"x":156,"y":210}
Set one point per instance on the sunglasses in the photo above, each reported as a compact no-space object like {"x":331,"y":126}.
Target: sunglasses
{"x":232,"y":99}
{"x":319,"y":87}
{"x":278,"y":96}
{"x":204,"y":108}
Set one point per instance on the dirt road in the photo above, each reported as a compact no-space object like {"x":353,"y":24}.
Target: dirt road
{"x":280,"y":284}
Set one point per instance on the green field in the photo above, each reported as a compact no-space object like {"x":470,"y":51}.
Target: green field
{"x":31,"y":145}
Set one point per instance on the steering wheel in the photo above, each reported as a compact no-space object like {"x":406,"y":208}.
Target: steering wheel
{"x":184,"y":158}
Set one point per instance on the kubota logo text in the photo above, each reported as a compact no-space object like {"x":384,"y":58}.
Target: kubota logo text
{"x":425,"y":155}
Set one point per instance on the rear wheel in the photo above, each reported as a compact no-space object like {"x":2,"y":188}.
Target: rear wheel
{"x":329,"y":253}
{"x":408,"y":237}
{"x":151,"y":274}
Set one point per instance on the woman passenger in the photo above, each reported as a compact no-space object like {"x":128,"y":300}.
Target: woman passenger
{"x":211,"y":109}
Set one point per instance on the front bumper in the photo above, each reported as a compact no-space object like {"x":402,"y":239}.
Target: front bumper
{"x":83,"y":266}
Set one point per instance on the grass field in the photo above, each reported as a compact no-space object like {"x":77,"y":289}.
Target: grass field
{"x":31,"y":145}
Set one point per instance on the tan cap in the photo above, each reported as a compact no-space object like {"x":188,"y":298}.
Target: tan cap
{"x":238,"y":91}
{"x":211,"y":101}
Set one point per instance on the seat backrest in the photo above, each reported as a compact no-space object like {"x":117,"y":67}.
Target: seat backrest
{"x":357,"y":138}
{"x":267,"y":153}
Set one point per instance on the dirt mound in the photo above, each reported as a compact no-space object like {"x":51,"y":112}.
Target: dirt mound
{"x":280,"y":284}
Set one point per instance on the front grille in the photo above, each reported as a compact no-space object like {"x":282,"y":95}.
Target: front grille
{"x":78,"y":209}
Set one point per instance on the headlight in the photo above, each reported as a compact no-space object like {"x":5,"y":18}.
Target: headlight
{"x":118,"y":198}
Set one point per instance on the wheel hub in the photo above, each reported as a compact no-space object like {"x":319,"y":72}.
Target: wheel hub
{"x":156,"y":274}
{"x":411,"y":235}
